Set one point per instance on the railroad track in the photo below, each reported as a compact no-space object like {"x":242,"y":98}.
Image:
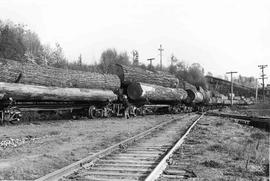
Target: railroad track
{"x":257,"y":121}
{"x":142,"y":157}
{"x":180,"y":166}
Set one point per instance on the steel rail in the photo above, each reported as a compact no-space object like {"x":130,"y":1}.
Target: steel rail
{"x":163,"y":163}
{"x":65,"y":171}
{"x":256,"y":121}
{"x":244,"y":117}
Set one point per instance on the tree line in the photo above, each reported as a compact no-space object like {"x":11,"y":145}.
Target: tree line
{"x":21,"y":44}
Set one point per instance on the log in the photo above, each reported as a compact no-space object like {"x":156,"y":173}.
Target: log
{"x":138,"y":90}
{"x":206,"y":95}
{"x":29,"y":73}
{"x":128,"y":74}
{"x":194,"y":96}
{"x":42,"y":93}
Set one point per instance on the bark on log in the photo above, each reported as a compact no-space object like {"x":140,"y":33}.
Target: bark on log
{"x":34,"y":92}
{"x":206,"y":95}
{"x":129,"y":74}
{"x":28,"y":73}
{"x":136,"y":91}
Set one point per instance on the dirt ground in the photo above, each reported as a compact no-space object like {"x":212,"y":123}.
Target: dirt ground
{"x":226,"y":150}
{"x":29,"y":151}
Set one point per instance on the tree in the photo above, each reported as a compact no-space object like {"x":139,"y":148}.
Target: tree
{"x":79,"y":61}
{"x":46,"y":55}
{"x":110,"y":57}
{"x":246,"y":81}
{"x":33,"y":47}
{"x":173,"y":59}
{"x":182,"y":71}
{"x":135,"y":55}
{"x":209,"y":73}
{"x":193,"y":74}
{"x":143,"y":66}
{"x":57,"y":58}
{"x":172,"y":67}
{"x":19,"y":44}
{"x":150,"y":67}
{"x":196,"y":75}
{"x":11,"y":43}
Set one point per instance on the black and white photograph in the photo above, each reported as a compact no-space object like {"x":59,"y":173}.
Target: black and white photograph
{"x":134,"y":90}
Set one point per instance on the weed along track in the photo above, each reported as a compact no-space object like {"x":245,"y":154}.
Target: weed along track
{"x":132,"y":159}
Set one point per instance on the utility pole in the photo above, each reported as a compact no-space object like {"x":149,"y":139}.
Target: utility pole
{"x":135,"y":54}
{"x":160,"y":49}
{"x":231,"y":85}
{"x":150,"y":59}
{"x":256,"y":93}
{"x":263,"y":78}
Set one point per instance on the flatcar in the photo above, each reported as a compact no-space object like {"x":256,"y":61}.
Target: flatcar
{"x":138,"y":92}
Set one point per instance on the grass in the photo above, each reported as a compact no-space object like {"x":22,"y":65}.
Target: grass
{"x":54,"y":133}
{"x":231,"y":151}
{"x":217,"y":148}
{"x":212,"y":164}
{"x":33,"y":116}
{"x":219,"y":123}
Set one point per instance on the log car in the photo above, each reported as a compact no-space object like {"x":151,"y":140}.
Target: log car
{"x":90,"y":102}
{"x":41,"y":87}
{"x":198,"y":98}
{"x":150,"y":91}
{"x":155,"y":98}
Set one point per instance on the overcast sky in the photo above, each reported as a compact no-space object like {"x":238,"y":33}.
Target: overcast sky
{"x":221,"y":35}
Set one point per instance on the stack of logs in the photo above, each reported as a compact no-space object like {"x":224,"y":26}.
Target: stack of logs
{"x":149,"y":85}
{"x":24,"y":80}
{"x":128,"y":75}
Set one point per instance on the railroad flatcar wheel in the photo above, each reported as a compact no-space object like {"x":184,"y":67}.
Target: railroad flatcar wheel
{"x":140,"y":111}
{"x":174,"y":110}
{"x":12,"y":115}
{"x":143,"y":113}
{"x":107,"y":112}
{"x":170,"y":109}
{"x":1,"y":117}
{"x":93,"y":112}
{"x":137,"y":112}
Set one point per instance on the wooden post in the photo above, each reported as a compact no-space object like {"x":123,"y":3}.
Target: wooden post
{"x":263,"y":78}
{"x":151,"y":59}
{"x":160,"y":49}
{"x":231,"y":86}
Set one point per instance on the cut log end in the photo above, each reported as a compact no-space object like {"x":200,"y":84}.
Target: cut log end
{"x":194,"y":96}
{"x":134,"y":91}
